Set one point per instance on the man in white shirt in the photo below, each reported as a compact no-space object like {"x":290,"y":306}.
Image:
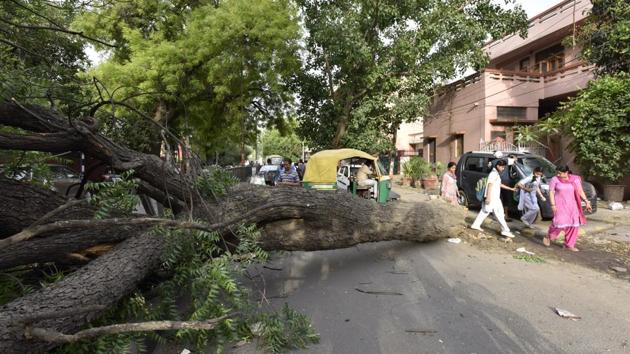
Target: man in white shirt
{"x":364,"y":180}
{"x":492,"y":201}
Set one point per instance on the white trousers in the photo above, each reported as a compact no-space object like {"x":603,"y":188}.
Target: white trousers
{"x":372,"y":184}
{"x":497,"y":209}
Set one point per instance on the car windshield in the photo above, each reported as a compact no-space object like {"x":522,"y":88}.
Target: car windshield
{"x":529,"y":163}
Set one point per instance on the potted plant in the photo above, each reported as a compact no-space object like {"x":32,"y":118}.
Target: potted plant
{"x":430,"y":179}
{"x":406,"y":173}
{"x":415,"y":169}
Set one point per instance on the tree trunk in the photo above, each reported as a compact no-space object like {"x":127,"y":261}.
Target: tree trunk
{"x":291,"y":218}
{"x":102,"y":282}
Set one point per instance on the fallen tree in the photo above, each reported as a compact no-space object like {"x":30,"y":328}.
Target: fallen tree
{"x":39,"y":226}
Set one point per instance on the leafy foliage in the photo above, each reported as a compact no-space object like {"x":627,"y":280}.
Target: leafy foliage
{"x":114,"y":197}
{"x":214,"y":181}
{"x":377,"y":62}
{"x":39,"y":60}
{"x":416,"y":168}
{"x":606,"y":35}
{"x":213,"y":70}
{"x":530,"y":258}
{"x":598,"y":121}
{"x":289,"y":145}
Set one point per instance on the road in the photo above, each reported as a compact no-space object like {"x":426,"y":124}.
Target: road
{"x":454,"y":298}
{"x":468,"y":300}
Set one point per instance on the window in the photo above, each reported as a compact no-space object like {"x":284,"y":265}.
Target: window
{"x":524,"y":65}
{"x":475,"y":164}
{"x":458,"y":145}
{"x":431,"y":145}
{"x":511,"y":113}
{"x":550,"y":59}
{"x":498,"y":136}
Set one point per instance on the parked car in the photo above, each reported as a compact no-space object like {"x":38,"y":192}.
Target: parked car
{"x":475,"y":165}
{"x":266,"y":175}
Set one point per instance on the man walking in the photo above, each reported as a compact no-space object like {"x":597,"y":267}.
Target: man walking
{"x":492,"y":201}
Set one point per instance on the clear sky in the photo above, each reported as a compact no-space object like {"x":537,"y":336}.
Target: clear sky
{"x":534,"y":7}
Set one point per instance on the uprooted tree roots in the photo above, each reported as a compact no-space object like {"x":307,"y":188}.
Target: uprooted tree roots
{"x":39,"y":227}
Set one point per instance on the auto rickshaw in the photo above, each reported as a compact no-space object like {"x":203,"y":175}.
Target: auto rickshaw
{"x":336,"y":170}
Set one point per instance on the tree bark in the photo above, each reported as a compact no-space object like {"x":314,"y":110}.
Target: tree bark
{"x":299,"y":220}
{"x":104,"y":281}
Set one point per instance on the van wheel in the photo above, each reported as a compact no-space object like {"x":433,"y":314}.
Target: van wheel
{"x":462,"y":199}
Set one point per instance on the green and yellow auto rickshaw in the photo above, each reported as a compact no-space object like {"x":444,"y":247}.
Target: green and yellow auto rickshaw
{"x":337,"y":169}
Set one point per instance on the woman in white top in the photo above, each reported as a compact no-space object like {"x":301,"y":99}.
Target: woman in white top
{"x":492,"y":201}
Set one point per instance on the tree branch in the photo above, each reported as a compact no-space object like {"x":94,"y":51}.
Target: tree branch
{"x":66,"y":225}
{"x":48,"y":142}
{"x":57,"y":29}
{"x":53,"y":336}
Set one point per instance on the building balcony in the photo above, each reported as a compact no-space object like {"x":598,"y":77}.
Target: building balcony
{"x":548,"y":26}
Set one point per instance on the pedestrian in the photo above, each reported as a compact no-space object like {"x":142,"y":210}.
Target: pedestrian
{"x":566,"y":195}
{"x":449,"y":190}
{"x":300,"y":168}
{"x":528,"y":196}
{"x":492,"y":201}
{"x":507,"y":191}
{"x":287,"y":175}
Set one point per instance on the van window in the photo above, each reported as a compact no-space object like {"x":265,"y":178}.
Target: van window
{"x":475,"y":164}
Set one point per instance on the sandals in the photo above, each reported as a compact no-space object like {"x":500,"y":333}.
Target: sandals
{"x":546,"y":241}
{"x":572,"y":249}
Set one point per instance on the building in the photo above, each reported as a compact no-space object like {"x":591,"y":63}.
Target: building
{"x":526,"y":78}
{"x":409,"y":140}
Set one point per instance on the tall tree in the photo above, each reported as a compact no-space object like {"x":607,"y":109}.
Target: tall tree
{"x":606,"y":35}
{"x":379,"y":59}
{"x":215,"y":70}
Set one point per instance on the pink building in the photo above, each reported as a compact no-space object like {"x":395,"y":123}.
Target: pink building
{"x":409,"y":140}
{"x":525,"y":79}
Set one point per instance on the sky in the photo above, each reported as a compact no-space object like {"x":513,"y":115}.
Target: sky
{"x":531,"y":7}
{"x":534,"y":7}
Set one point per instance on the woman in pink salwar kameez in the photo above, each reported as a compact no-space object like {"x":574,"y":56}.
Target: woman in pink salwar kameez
{"x":449,"y":185}
{"x":565,"y":195}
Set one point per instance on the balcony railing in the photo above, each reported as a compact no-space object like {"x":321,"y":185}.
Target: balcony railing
{"x":508,"y":147}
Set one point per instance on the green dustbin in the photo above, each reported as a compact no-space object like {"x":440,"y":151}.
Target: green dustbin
{"x":384,"y":186}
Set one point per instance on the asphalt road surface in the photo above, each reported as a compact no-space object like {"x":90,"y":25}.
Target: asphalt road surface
{"x":454,"y":298}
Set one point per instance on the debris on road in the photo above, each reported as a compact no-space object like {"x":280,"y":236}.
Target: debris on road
{"x":523,"y":250}
{"x":615,"y":206}
{"x":566,"y":314}
{"x":272,"y":268}
{"x":529,"y":258}
{"x":422,"y":331}
{"x":454,"y":240}
{"x":371,"y":292}
{"x":619,"y":269}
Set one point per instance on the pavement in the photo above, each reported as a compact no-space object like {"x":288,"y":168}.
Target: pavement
{"x":454,"y":298}
{"x":473,"y":297}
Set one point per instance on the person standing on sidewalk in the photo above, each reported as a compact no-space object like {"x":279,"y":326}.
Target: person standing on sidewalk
{"x":448,"y":189}
{"x":566,"y":195}
{"x":492,"y":201}
{"x":528,"y":198}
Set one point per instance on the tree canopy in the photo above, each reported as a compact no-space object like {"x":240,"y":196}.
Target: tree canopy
{"x":215,"y":69}
{"x":377,"y":61}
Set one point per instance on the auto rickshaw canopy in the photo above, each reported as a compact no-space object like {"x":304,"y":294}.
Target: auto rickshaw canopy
{"x":322,"y":166}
